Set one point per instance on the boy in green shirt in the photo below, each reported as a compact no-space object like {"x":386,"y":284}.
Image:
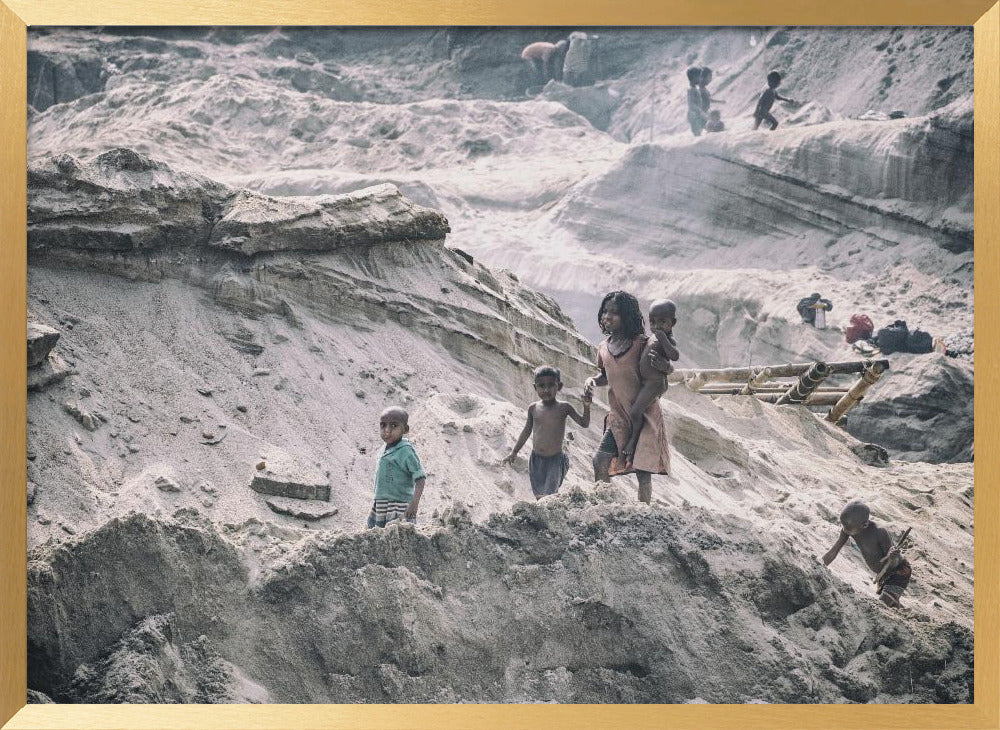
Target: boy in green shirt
{"x":399,"y":477}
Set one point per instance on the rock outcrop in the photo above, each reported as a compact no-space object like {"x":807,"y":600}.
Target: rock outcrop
{"x":126,"y":214}
{"x":57,"y":78}
{"x":118,"y":200}
{"x":313,"y":224}
{"x":253,"y":223}
{"x":923,"y":412}
{"x":52,"y":370}
{"x":266,"y":482}
{"x":300,"y":510}
{"x":45,"y":367}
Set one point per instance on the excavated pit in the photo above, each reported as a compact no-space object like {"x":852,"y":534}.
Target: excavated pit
{"x":310,"y":225}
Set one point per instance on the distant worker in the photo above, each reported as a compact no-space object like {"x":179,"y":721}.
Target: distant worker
{"x":582,"y":64}
{"x":714,"y":123}
{"x":767,"y":98}
{"x":697,"y":116}
{"x":706,"y":97}
{"x":813,"y":309}
{"x":546,"y":60}
{"x":882,"y":557}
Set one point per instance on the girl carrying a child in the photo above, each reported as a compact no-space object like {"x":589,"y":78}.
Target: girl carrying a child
{"x":618,"y":358}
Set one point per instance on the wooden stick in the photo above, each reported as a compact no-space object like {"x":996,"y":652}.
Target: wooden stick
{"x":882,"y":574}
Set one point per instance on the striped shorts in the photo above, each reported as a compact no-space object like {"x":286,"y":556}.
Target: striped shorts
{"x":385,"y":511}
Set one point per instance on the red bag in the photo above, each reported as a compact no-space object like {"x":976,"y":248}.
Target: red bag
{"x":861,"y":328}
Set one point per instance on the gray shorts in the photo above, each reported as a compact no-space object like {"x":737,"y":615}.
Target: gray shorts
{"x":547,"y":473}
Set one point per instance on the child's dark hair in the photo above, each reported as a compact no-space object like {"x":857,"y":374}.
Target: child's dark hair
{"x":773,"y":78}
{"x":547,"y":370}
{"x":633,"y":323}
{"x":694,"y":75}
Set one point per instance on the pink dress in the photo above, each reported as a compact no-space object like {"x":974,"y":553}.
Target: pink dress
{"x":651,"y":453}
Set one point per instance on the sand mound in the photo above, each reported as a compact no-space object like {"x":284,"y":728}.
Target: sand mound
{"x":577,"y":599}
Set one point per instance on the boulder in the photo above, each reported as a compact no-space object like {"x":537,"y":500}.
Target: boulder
{"x":267,"y":482}
{"x":41,"y":340}
{"x":871,"y":454}
{"x":597,"y":104}
{"x":90,"y":421}
{"x":166,"y":484}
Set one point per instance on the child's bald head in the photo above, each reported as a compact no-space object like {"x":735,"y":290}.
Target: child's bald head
{"x":393,"y":424}
{"x":397,"y":412}
{"x":854,"y":517}
{"x":662,"y":315}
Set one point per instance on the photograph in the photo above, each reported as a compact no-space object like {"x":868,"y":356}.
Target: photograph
{"x":509,"y":365}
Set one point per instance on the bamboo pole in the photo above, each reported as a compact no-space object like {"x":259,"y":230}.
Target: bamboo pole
{"x":729,"y":389}
{"x":813,"y":399}
{"x":808,"y":382}
{"x":695,"y":382}
{"x":770,"y":385}
{"x":742,"y":375}
{"x":857,"y":392}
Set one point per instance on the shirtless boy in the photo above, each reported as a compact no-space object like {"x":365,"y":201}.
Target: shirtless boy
{"x":662,"y":318}
{"x":876,"y":548}
{"x":546,"y":425}
{"x":767,"y":98}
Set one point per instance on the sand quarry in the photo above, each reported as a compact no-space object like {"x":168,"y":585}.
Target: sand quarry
{"x":251,"y":242}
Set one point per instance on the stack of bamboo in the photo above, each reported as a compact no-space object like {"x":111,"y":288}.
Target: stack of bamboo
{"x":808,"y":388}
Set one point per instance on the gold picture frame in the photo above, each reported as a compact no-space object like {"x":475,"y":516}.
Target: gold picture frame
{"x":16,"y":15}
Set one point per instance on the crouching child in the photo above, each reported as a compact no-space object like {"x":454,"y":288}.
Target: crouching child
{"x":882,"y":557}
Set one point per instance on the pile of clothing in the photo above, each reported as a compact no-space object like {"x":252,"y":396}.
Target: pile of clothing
{"x":896,"y":337}
{"x":960,"y":345}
